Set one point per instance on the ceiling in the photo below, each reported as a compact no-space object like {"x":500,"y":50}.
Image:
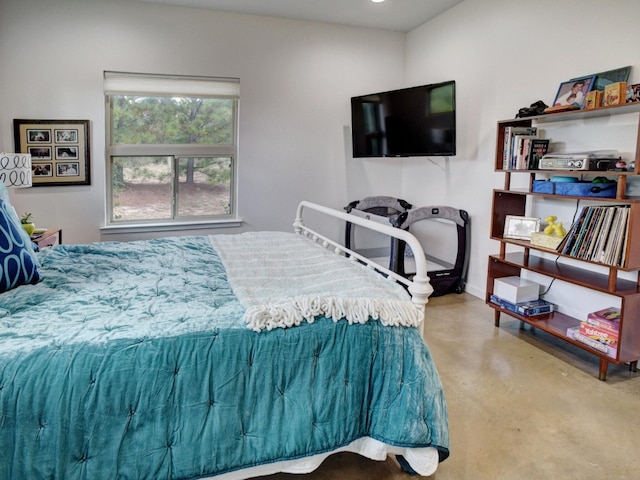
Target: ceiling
{"x":397,"y":15}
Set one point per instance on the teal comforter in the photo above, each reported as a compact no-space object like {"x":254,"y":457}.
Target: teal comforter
{"x":130,"y":360}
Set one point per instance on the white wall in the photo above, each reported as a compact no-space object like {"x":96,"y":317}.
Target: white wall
{"x":504,"y":55}
{"x":296,"y":79}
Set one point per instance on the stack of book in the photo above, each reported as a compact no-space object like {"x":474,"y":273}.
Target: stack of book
{"x":600,"y":331}
{"x":599,"y":235}
{"x":522,"y":148}
{"x":526,"y":309}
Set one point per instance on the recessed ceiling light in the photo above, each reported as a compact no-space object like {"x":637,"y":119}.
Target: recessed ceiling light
{"x":377,"y":1}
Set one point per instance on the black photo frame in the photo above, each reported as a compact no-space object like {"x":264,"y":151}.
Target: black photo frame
{"x":60,"y":150}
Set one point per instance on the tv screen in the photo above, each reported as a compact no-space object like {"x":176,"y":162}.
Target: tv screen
{"x":416,"y":121}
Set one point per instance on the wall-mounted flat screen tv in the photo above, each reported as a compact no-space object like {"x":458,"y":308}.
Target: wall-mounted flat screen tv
{"x":416,"y":121}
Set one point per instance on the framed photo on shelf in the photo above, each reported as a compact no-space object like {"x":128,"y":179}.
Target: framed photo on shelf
{"x":574,"y":92}
{"x":520,"y":228}
{"x":633,"y":93}
{"x":60,"y":150}
{"x":611,"y":76}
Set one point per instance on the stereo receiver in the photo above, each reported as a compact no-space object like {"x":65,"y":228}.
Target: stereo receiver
{"x":578,"y":161}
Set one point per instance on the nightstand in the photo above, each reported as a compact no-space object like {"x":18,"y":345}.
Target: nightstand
{"x":51,"y":237}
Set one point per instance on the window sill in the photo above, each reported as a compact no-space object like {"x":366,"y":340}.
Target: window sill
{"x":169,"y":227}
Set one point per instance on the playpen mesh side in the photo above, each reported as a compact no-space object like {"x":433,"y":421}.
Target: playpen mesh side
{"x":381,"y":206}
{"x":401,"y":214}
{"x":445,"y":280}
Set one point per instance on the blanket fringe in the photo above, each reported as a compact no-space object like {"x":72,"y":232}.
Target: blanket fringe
{"x":292,"y":312}
{"x":266,"y":268}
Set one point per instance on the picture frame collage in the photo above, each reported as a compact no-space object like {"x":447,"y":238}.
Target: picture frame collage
{"x":59,"y":149}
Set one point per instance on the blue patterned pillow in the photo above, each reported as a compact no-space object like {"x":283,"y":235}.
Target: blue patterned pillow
{"x":17,"y":264}
{"x":13,"y":216}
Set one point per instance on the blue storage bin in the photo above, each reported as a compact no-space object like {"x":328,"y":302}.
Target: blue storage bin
{"x":544,"y":186}
{"x":577,"y":189}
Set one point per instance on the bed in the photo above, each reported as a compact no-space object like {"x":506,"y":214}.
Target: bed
{"x":157,"y":359}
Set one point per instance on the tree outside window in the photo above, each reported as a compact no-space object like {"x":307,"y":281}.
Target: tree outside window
{"x":172,"y":157}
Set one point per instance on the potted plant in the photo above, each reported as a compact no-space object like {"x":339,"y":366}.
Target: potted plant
{"x":27,"y":223}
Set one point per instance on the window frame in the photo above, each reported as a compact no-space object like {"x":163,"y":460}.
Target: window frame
{"x":195,"y":85}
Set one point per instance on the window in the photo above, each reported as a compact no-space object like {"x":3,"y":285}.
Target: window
{"x":171,"y":148}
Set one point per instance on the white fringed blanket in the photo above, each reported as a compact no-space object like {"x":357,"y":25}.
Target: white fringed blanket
{"x":283,"y":278}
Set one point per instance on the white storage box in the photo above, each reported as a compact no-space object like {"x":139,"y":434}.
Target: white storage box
{"x":515,"y":289}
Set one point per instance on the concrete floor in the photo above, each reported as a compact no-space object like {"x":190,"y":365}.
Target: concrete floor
{"x":522,"y":405}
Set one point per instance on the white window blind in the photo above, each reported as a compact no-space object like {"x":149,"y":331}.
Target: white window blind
{"x":122,"y":83}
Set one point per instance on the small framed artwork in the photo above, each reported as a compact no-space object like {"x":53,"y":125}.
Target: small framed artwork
{"x":574,"y":92}
{"x":520,"y":228}
{"x":67,"y":169}
{"x":611,"y":76}
{"x":66,"y":135}
{"x":38,"y":135}
{"x":40,"y":153}
{"x":67,"y":152}
{"x":633,"y":93}
{"x":41,"y":169}
{"x":60,"y":150}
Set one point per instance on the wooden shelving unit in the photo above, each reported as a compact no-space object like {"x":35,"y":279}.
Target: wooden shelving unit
{"x":528,"y":257}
